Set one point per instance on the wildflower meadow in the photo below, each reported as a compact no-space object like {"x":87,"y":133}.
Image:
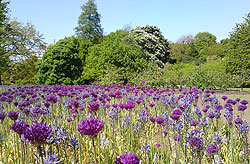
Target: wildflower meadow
{"x":121,"y":124}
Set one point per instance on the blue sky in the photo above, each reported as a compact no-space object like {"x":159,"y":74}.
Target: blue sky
{"x":57,"y":18}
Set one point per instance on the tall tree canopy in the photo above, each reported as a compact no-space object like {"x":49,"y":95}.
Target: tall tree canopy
{"x":117,"y":52}
{"x":89,"y":22}
{"x":238,"y":52}
{"x":152,"y":43}
{"x":60,"y":63}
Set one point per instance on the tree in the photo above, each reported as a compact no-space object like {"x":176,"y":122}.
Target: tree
{"x":186,"y":39}
{"x":118,"y":53}
{"x":179,"y":51}
{"x":5,"y":27}
{"x":152,"y":43}
{"x":89,"y":23}
{"x":60,"y":63}
{"x":238,"y":52}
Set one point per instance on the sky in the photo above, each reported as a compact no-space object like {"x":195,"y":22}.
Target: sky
{"x":56,"y":19}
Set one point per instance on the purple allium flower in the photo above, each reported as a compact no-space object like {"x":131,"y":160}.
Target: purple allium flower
{"x":238,"y":120}
{"x":242,"y":107}
{"x":237,"y":99}
{"x":212,"y":149}
{"x":196,"y":131}
{"x":218,"y":107}
{"x":205,"y":110}
{"x":158,"y":145}
{"x":224,"y":97}
{"x":19,"y":127}
{"x":37,"y":134}
{"x":230,"y":123}
{"x":115,"y":105}
{"x":128,"y":158}
{"x":47,"y":104}
{"x":165,"y":133}
{"x":107,"y":106}
{"x":93,"y":107}
{"x":244,"y":102}
{"x":211,"y":115}
{"x":74,"y":104}
{"x":152,"y":119}
{"x":207,"y":106}
{"x":143,"y":82}
{"x":159,"y":120}
{"x":151,"y":104}
{"x":90,"y":126}
{"x":177,"y":111}
{"x":195,"y":142}
{"x":175,"y":117}
{"x":194,"y":123}
{"x":13,"y":115}
{"x":69,"y":119}
{"x":2,"y":115}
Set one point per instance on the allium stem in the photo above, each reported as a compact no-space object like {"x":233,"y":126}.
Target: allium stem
{"x":93,"y":144}
{"x":40,"y":153}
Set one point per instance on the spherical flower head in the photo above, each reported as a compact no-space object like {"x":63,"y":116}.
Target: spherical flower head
{"x":177,"y":111}
{"x":90,"y":126}
{"x":165,"y":133}
{"x":194,"y":123}
{"x":152,"y":119}
{"x":2,"y":115}
{"x":74,"y":104}
{"x":218,"y":107}
{"x":238,"y":120}
{"x":175,"y":117}
{"x":242,"y":107}
{"x":224,"y":97}
{"x":244,"y":102}
{"x":237,"y":99}
{"x":93,"y":107}
{"x":143,"y":82}
{"x":212,"y":149}
{"x":151,"y":104}
{"x":159,"y":120}
{"x":115,"y":105}
{"x":68,"y":119}
{"x":13,"y":115}
{"x":19,"y":127}
{"x":205,"y":110}
{"x":158,"y":145}
{"x":195,"y":142}
{"x":138,"y":101}
{"x":207,"y":106}
{"x":230,"y":123}
{"x":128,"y":158}
{"x":179,"y":138}
{"x":211,"y":115}
{"x":37,"y":134}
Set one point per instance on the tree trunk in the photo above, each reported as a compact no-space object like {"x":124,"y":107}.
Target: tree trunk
{"x":241,"y":88}
{"x":0,"y":73}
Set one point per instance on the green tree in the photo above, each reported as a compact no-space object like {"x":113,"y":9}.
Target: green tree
{"x":5,"y":28}
{"x":118,"y":53}
{"x":89,"y":22}
{"x":238,"y":52}
{"x":152,"y":43}
{"x":60,"y":63}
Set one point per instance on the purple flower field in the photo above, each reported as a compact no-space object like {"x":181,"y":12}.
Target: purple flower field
{"x":121,"y":124}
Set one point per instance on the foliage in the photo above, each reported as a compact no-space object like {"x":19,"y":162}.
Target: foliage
{"x":89,"y":26}
{"x":152,"y":43}
{"x":60,"y":63}
{"x":118,"y":52}
{"x":238,"y":52}
{"x":22,"y":72}
{"x":179,"y":52}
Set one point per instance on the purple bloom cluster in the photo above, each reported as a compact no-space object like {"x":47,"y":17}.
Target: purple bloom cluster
{"x":2,"y":115}
{"x":212,"y":149}
{"x":37,"y":134}
{"x":196,"y":142}
{"x":19,"y":127}
{"x":127,"y":158}
{"x":93,"y":107}
{"x":13,"y":115}
{"x":90,"y":126}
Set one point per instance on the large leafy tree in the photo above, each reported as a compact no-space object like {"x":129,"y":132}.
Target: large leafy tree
{"x":60,"y":63}
{"x":152,"y":43}
{"x":117,"y":53}
{"x":238,"y":52}
{"x":5,"y":28}
{"x":89,"y":22}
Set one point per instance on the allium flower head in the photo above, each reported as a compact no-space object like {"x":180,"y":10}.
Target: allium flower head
{"x":195,"y":142}
{"x":218,"y":107}
{"x":238,"y":120}
{"x":93,"y":107}
{"x":2,"y":115}
{"x":224,"y":97}
{"x":90,"y":126}
{"x":37,"y":134}
{"x":212,"y":149}
{"x":194,"y":123}
{"x":128,"y":158}
{"x":159,"y":120}
{"x":13,"y":115}
{"x":19,"y":127}
{"x":244,"y":102}
{"x":175,"y":117}
{"x":242,"y":107}
{"x":177,"y":111}
{"x":211,"y":115}
{"x":152,"y":119}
